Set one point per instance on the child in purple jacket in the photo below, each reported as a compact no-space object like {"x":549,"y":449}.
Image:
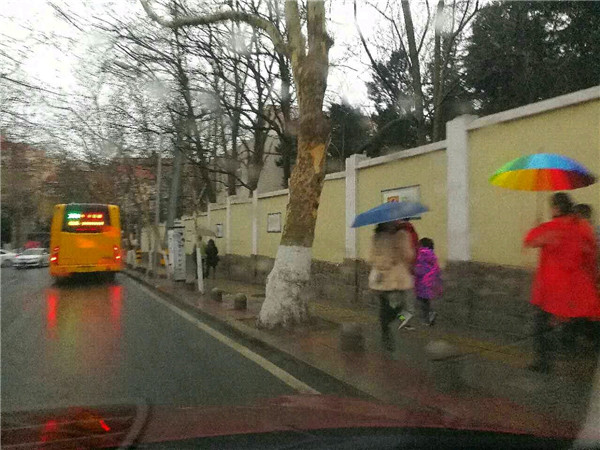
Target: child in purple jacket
{"x":428,"y":279}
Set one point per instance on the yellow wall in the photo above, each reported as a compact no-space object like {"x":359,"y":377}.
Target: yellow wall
{"x":429,"y":172}
{"x":219,"y":216}
{"x":268,"y":242}
{"x":500,"y":217}
{"x":202,"y":220}
{"x":330,"y":237}
{"x":241,"y":229}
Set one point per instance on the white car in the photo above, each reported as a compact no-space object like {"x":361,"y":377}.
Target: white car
{"x":32,"y":257}
{"x":7,"y":258}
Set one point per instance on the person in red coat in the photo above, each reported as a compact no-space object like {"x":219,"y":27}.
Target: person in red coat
{"x":564,"y":284}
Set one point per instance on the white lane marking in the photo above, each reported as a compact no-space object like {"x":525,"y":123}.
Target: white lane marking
{"x":276,"y":371}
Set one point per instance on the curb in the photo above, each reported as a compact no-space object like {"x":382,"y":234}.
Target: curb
{"x":243,"y":331}
{"x":265,"y":342}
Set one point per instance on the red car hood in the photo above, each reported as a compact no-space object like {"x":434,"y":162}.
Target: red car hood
{"x":110,"y":426}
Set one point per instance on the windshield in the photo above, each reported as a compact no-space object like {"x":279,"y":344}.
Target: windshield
{"x":33,"y":251}
{"x":300,"y":211}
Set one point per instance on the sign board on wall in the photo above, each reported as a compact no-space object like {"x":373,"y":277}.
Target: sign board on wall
{"x":274,"y":223}
{"x":402,"y":194}
{"x":219,"y":230}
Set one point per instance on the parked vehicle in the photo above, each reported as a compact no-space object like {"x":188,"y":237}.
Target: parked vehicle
{"x":32,"y":257}
{"x":7,"y":258}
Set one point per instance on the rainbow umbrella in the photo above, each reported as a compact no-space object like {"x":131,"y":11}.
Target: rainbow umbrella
{"x":543,"y":172}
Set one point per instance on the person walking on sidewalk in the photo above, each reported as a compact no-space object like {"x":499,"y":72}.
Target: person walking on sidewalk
{"x":201,"y":245}
{"x":391,"y":259}
{"x":212,"y":258}
{"x":428,"y":280}
{"x":564,"y":285}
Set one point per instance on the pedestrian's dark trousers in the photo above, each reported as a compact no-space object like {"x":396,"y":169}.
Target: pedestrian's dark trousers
{"x":387,"y":313}
{"x":545,"y":342}
{"x":211,"y":265}
{"x":576,"y":328}
{"x":425,"y":307}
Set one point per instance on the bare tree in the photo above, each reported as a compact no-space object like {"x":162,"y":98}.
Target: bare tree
{"x":430,"y":64}
{"x":415,"y":71}
{"x":309,"y":56}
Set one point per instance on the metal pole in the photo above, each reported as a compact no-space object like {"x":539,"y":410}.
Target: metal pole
{"x":157,"y":209}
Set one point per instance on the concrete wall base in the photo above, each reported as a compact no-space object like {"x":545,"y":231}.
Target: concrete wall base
{"x":494,"y":299}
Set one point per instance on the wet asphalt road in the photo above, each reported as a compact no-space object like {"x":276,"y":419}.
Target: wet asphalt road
{"x":94,"y":342}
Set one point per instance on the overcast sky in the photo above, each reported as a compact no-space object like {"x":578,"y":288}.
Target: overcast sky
{"x":53,"y":67}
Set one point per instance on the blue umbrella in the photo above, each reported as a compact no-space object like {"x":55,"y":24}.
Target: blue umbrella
{"x":388,"y":212}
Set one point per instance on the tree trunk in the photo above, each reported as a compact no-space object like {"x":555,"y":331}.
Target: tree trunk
{"x":437,"y":73}
{"x":415,"y":72}
{"x":286,"y":145}
{"x":175,"y":184}
{"x":256,"y":159}
{"x":17,"y":229}
{"x":284,"y":304}
{"x":184,"y":83}
{"x":235,"y":123}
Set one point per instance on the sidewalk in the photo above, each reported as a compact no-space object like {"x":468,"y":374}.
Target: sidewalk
{"x":441,"y":367}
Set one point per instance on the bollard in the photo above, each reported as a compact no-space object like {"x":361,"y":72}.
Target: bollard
{"x":240,"y":301}
{"x":445,"y":365}
{"x":216,"y":294}
{"x":352,"y":338}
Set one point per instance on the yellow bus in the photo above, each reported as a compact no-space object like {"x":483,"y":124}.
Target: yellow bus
{"x":85,"y":237}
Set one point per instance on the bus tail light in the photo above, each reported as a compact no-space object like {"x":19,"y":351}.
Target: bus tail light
{"x":54,"y":255}
{"x":117,"y":253}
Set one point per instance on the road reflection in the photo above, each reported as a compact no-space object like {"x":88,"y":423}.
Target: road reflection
{"x":51,"y":304}
{"x":83,"y":325}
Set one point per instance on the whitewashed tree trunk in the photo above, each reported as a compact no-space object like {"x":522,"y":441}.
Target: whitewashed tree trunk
{"x":284,"y":304}
{"x":285,"y":284}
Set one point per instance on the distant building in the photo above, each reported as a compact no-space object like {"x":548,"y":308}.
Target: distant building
{"x":25,"y":174}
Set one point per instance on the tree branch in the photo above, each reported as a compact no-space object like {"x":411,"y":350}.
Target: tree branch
{"x":374,"y":64}
{"x":224,"y":16}
{"x":297,"y":44}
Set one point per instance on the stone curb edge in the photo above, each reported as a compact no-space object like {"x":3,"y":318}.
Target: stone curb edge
{"x":246,"y":332}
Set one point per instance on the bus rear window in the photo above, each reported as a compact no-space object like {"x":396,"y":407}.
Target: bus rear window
{"x":86,"y":218}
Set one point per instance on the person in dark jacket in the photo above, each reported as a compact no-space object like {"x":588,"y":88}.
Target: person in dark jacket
{"x":212,"y":258}
{"x":200,"y":244}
